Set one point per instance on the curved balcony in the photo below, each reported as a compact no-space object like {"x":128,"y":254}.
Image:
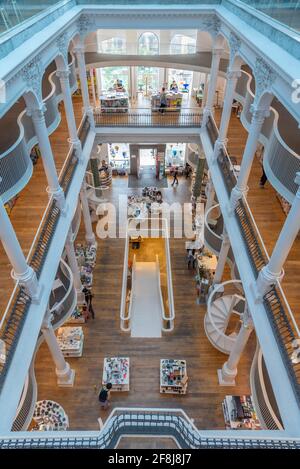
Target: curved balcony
{"x":15,"y":163}
{"x":281,"y":161}
{"x":213,"y":229}
{"x":62,"y":302}
{"x":262,"y":394}
{"x":189,"y":60}
{"x":193,"y":154}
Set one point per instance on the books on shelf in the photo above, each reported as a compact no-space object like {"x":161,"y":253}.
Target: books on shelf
{"x":49,"y":416}
{"x":173,"y":376}
{"x":239,"y":413}
{"x":70,"y":341}
{"x":116,"y":372}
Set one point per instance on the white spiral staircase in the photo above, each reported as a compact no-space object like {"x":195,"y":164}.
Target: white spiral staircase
{"x":223,"y":302}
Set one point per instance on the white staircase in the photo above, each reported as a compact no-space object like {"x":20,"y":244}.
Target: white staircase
{"x":219,"y":311}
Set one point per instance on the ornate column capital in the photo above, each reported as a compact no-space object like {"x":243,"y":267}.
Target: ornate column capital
{"x":79,"y":49}
{"x":37,"y":114}
{"x":63,"y":75}
{"x":217,"y":52}
{"x":32,"y":74}
{"x":259,"y":114}
{"x":62,"y":43}
{"x":234,"y":45}
{"x":233,"y":74}
{"x":264,"y":78}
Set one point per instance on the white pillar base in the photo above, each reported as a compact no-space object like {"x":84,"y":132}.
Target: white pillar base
{"x":91,"y":240}
{"x":30,"y":282}
{"x":66,"y":377}
{"x":59,"y":196}
{"x":78,"y":148}
{"x":264,"y":282}
{"x":226,"y":377}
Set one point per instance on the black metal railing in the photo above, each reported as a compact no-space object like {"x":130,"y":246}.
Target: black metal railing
{"x":143,"y":422}
{"x":148,"y":118}
{"x":68,"y":172}
{"x":228,"y":175}
{"x":83,"y":131}
{"x":212,"y":130}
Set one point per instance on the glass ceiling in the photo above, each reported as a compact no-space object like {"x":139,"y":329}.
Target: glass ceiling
{"x":286,"y":12}
{"x":14,"y":12}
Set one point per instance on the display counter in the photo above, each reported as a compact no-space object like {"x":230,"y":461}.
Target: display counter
{"x":174,"y":101}
{"x":70,"y":341}
{"x":173,"y":376}
{"x":116,"y":372}
{"x":114,"y":102}
{"x":49,"y":416}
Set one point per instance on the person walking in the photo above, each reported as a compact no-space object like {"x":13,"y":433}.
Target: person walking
{"x":263,"y":179}
{"x":88,"y":299}
{"x":104,"y":395}
{"x":175,"y":179}
{"x":163,"y":101}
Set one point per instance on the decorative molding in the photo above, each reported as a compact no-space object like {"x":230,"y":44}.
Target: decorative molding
{"x":32,"y":74}
{"x":63,"y":74}
{"x":264,"y":77}
{"x":85,"y":24}
{"x":233,"y":74}
{"x":259,"y":114}
{"x":210,"y":23}
{"x":234,"y":45}
{"x":62,"y":43}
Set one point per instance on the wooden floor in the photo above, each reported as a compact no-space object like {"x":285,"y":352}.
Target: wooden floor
{"x":103,"y":336}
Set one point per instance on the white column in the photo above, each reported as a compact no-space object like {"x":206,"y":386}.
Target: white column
{"x":65,"y":375}
{"x":91,"y":71}
{"x":210,"y":195}
{"x":98,"y":81}
{"x":258,"y":117}
{"x":72,"y":261}
{"x":21,"y":271}
{"x":39,"y":123}
{"x":273,"y":271}
{"x":79,"y":52}
{"x":216,"y":57}
{"x":205,"y":90}
{"x":63,"y":76}
{"x":89,"y":234}
{"x":227,"y":374}
{"x":232,"y":78}
{"x":222,"y":258}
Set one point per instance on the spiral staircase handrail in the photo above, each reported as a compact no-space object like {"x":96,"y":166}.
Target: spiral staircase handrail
{"x":215,"y":290}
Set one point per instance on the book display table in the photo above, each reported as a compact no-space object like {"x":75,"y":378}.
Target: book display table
{"x":70,"y":341}
{"x":114,"y":102}
{"x":86,"y":258}
{"x":116,"y":372}
{"x":173,"y":376}
{"x":77,"y":317}
{"x":49,"y":416}
{"x":174,"y":101}
{"x":239,"y":413}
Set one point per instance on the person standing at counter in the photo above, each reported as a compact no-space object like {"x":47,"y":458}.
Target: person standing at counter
{"x":163,"y":100}
{"x":174,"y":87}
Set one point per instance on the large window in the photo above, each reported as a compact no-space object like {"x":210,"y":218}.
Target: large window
{"x":114,"y":45}
{"x":109,"y":75}
{"x":148,"y":44}
{"x":147,"y":79}
{"x":181,"y":44}
{"x":183,"y":79}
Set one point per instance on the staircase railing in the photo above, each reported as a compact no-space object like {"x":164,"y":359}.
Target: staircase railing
{"x":124,"y":117}
{"x":166,"y":320}
{"x":158,"y":422}
{"x":212,"y":130}
{"x":281,"y":318}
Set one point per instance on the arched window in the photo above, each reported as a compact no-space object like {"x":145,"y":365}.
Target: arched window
{"x":181,"y":44}
{"x":148,"y":44}
{"x":114,"y":45}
